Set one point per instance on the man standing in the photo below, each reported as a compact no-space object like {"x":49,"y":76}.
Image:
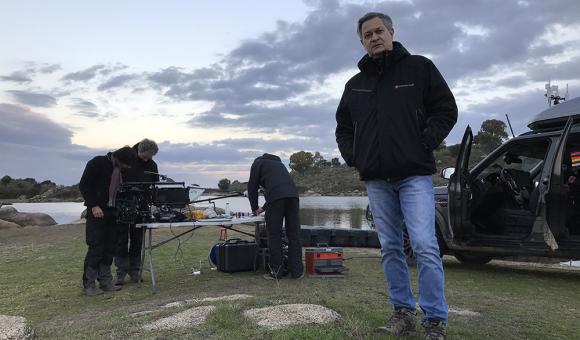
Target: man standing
{"x":282,"y":205}
{"x":130,"y":239}
{"x":391,"y":117}
{"x":99,"y":185}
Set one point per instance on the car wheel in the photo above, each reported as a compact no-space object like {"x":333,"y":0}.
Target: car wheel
{"x":369,"y":217}
{"x":472,"y":259}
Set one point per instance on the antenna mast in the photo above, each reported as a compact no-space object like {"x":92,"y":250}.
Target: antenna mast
{"x":553,"y":95}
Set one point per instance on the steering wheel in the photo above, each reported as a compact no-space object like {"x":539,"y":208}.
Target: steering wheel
{"x":507,"y":178}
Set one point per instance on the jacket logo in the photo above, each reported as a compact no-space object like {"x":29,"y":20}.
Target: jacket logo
{"x":362,"y":90}
{"x":404,"y":85}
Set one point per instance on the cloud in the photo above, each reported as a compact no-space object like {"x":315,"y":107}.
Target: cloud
{"x":262,"y":84}
{"x":17,"y":77}
{"x":21,"y":126}
{"x":117,"y":81}
{"x":285,"y":83}
{"x":82,"y":104}
{"x":33,"y":99}
{"x":84,"y":75}
{"x":92,"y":72}
{"x":49,"y":68}
{"x":34,"y":146}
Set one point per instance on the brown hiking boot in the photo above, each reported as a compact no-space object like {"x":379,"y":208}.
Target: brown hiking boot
{"x":401,"y":323}
{"x":434,"y":330}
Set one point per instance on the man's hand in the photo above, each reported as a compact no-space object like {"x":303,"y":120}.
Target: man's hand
{"x":571,"y":179}
{"x":97,"y":212}
{"x":258,"y":211}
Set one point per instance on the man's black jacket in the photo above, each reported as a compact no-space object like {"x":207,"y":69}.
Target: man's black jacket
{"x":269,"y":173}
{"x":393,"y":114}
{"x":137,"y":171}
{"x":95,"y":181}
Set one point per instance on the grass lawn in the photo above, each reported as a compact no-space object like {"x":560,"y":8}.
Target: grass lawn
{"x":41,"y":269}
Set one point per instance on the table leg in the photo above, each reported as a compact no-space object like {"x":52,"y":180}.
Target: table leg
{"x":143,"y":237}
{"x":153,"y":283}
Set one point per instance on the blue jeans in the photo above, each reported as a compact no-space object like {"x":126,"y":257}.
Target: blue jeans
{"x":410,"y":200}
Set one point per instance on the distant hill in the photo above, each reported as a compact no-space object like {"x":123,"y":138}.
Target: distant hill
{"x":345,"y":180}
{"x":323,"y":180}
{"x":28,"y":189}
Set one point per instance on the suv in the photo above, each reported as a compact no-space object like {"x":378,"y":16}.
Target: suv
{"x":522,"y":199}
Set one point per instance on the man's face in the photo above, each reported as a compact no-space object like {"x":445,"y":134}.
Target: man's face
{"x":119,"y":164}
{"x":145,"y":156}
{"x":124,"y":166}
{"x":376,"y":37}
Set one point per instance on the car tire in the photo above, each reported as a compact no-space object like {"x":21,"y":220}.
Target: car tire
{"x":472,"y":259}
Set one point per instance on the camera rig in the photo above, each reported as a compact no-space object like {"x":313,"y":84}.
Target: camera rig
{"x":145,"y":202}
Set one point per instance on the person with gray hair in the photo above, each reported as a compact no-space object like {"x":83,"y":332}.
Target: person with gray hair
{"x":391,"y":117}
{"x":130,"y":238}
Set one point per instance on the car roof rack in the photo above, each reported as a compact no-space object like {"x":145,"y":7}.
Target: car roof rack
{"x":556,"y":116}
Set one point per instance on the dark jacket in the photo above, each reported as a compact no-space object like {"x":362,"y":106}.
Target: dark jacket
{"x":269,"y":173}
{"x":393,"y":114}
{"x":137,"y":172}
{"x":95,"y":181}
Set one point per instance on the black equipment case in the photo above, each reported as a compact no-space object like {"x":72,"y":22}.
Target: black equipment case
{"x":236,"y":255}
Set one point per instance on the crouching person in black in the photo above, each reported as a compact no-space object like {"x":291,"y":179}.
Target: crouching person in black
{"x":130,"y":239}
{"x":99,"y":185}
{"x":282,"y":204}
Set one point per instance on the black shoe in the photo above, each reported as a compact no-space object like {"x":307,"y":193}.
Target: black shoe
{"x":92,"y":291}
{"x":299,"y":276}
{"x":108,"y":286}
{"x":120,"y":279}
{"x":134,"y":277}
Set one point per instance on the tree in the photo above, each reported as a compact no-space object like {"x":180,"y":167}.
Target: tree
{"x":301,"y":161}
{"x":454,"y":150}
{"x":6,"y":179}
{"x":441,"y":146}
{"x":224,"y":184}
{"x":319,"y":161}
{"x":491,"y":135}
{"x":335,"y":162}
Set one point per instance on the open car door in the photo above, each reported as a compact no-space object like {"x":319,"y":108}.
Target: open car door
{"x":460,"y":191}
{"x":553,"y":192}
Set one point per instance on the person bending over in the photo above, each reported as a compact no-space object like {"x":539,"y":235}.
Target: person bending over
{"x":282,"y":207}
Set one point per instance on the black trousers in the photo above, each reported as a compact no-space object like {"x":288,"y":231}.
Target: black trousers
{"x":284,"y":211}
{"x":128,"y":254}
{"x":101,"y":238}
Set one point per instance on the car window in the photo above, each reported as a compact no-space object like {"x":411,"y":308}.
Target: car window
{"x":522,"y":157}
{"x":571,"y":163}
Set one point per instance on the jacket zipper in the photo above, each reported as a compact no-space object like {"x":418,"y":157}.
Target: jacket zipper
{"x":418,"y":115}
{"x":354,"y":142}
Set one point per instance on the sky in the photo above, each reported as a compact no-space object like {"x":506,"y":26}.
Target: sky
{"x":217,"y":84}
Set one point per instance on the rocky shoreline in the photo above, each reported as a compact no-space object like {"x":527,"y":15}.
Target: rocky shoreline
{"x":12,"y":218}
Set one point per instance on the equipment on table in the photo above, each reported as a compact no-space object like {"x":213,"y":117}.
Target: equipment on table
{"x":235,"y":255}
{"x":325,"y":262}
{"x":145,"y":202}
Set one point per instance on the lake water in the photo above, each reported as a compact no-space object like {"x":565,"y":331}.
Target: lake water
{"x":332,"y":212}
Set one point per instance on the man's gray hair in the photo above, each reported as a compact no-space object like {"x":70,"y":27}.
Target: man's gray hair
{"x":148,"y":146}
{"x":370,"y":15}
